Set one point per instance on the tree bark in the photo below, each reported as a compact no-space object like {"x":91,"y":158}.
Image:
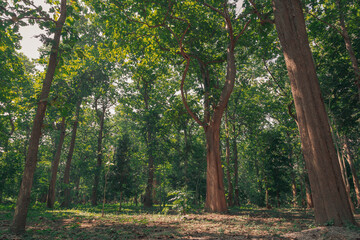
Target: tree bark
{"x":23,"y":201}
{"x":293,"y":188}
{"x":227,"y":155}
{"x":55,"y":165}
{"x":349,"y":158}
{"x":344,"y":174}
{"x":66,"y":180}
{"x":215,"y":192}
{"x":309,"y":200}
{"x":329,"y":193}
{"x":99,"y":156}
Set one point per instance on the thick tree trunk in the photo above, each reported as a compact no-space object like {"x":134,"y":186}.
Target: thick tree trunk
{"x":99,"y":157}
{"x":66,"y":180}
{"x":215,"y":192}
{"x":349,"y":158}
{"x":329,"y":193}
{"x":55,"y":165}
{"x":227,"y":155}
{"x":23,"y":201}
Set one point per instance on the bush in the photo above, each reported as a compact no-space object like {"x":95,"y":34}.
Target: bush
{"x":181,"y":200}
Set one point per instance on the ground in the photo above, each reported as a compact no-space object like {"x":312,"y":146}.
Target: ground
{"x":85,"y":222}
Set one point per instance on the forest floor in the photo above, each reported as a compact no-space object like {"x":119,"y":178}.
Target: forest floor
{"x":85,"y":222}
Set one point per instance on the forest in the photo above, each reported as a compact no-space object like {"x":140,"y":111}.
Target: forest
{"x":183,"y":119}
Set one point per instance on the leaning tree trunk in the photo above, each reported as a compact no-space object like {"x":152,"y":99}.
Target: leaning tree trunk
{"x":66,"y":180}
{"x":99,"y":157}
{"x":215,"y":193}
{"x":344,"y":174}
{"x":54,"y":167}
{"x":23,"y":201}
{"x":329,"y":193}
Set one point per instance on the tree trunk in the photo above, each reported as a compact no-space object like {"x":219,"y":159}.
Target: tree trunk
{"x":99,"y":157}
{"x":104,"y":195}
{"x":148,"y":198}
{"x":309,"y":200}
{"x":187,"y":149}
{"x":55,"y":165}
{"x":349,"y":48}
{"x":294,"y":192}
{"x":23,"y":201}
{"x":215,"y":193}
{"x":349,"y":158}
{"x":329,"y":193}
{"x":344,"y":174}
{"x":267,"y":196}
{"x":66,"y":180}
{"x":227,"y":155}
{"x":236,"y":170}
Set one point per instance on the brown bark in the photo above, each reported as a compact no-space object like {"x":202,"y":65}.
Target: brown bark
{"x":99,"y":156}
{"x":66,"y":180}
{"x":344,"y":174}
{"x":215,"y":192}
{"x":349,"y":158}
{"x":227,"y":155}
{"x":309,"y":200}
{"x":55,"y":165}
{"x":329,"y":193}
{"x":23,"y":201}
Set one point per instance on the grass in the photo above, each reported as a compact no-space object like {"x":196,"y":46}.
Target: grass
{"x":86,"y":222}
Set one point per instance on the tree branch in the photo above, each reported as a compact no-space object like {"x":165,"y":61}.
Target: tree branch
{"x":191,"y":113}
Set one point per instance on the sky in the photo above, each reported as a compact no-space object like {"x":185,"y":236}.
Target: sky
{"x":29,"y":43}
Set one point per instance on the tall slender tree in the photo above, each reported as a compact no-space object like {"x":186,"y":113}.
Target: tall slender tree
{"x":23,"y":201}
{"x":54,"y":166}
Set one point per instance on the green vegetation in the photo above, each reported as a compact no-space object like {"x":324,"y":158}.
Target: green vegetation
{"x":147,"y":119}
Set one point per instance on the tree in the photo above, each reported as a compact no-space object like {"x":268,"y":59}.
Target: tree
{"x":55,"y":164}
{"x":329,"y":194}
{"x":22,"y":204}
{"x":121,"y":172}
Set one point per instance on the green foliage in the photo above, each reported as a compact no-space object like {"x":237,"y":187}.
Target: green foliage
{"x":181,"y":200}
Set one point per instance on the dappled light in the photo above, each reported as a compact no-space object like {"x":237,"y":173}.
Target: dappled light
{"x":235,"y":119}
